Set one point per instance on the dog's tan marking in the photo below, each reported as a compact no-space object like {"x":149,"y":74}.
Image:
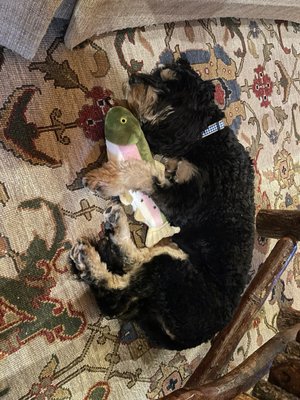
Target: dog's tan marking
{"x":141,"y":100}
{"x":86,"y":257}
{"x":167,"y":331}
{"x":115,"y":179}
{"x":126,"y":308}
{"x":185,"y":171}
{"x":161,"y":115}
{"x":167,"y":74}
{"x":134,"y":257}
{"x":171,"y":164}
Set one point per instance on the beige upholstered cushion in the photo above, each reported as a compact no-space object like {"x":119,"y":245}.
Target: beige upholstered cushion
{"x":92,"y":17}
{"x":24,"y":23}
{"x":65,"y":10}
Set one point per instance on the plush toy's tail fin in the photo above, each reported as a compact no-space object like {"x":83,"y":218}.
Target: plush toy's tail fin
{"x":156,"y":234}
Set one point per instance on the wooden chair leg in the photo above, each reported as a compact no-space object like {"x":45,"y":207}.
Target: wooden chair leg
{"x":254,"y":297}
{"x":278,"y":223}
{"x":283,"y":382}
{"x":217,"y":358}
{"x":206,"y":382}
{"x":245,"y":375}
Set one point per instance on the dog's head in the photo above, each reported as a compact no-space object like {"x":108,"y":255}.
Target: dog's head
{"x":174,"y":106}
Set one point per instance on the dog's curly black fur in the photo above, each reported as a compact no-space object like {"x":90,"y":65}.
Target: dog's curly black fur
{"x":182,"y":302}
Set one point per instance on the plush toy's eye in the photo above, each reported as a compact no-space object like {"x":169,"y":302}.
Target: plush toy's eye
{"x":123,"y":120}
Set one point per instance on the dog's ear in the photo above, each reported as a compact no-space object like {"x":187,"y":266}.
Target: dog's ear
{"x":205,"y":99}
{"x":206,"y":91}
{"x":168,"y":74}
{"x":171,"y":74}
{"x":183,"y":63}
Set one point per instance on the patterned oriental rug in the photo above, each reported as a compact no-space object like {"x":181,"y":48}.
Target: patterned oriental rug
{"x":54,"y":344}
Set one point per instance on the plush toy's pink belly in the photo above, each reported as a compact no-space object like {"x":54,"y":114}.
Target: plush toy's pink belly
{"x":151,"y":213}
{"x":145,"y":210}
{"x":121,"y":153}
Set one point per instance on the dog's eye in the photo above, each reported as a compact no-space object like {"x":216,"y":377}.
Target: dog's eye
{"x":123,"y":120}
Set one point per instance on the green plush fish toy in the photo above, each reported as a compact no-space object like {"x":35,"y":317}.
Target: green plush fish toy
{"x":125,"y":140}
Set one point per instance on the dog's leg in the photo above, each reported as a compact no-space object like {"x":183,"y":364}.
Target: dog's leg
{"x":116,"y":221}
{"x":179,"y":171}
{"x":113,"y":180}
{"x":92,"y":269}
{"x":110,"y":290}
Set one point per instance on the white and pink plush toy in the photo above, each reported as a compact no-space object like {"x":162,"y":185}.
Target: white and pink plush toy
{"x":124,"y":141}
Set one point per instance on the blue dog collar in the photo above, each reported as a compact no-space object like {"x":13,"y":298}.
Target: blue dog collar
{"x":217,"y":126}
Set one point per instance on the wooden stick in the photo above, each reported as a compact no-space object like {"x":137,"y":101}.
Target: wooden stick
{"x":254,"y":297}
{"x":286,"y":375}
{"x":266,"y":391}
{"x":287,"y":317}
{"x":283,"y":358}
{"x":293,"y":349}
{"x":242,"y":377}
{"x":278,"y":223}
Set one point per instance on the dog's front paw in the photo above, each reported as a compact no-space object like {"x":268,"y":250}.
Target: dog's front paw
{"x":185,"y":172}
{"x":91,"y":181}
{"x":171,"y":165}
{"x":179,"y":171}
{"x":103,"y":180}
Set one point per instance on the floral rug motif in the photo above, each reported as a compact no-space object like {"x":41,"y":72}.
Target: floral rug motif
{"x":54,"y":344}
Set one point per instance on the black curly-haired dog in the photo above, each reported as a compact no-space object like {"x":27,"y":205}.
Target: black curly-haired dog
{"x":180,"y":293}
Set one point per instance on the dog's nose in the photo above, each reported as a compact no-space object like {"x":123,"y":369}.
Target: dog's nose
{"x":134,"y":78}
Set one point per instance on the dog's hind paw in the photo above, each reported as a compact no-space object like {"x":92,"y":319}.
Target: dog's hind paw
{"x":86,"y":259}
{"x":116,"y":222}
{"x":78,"y":254}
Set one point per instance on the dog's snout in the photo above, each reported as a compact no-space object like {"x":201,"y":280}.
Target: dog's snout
{"x":134,"y":78}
